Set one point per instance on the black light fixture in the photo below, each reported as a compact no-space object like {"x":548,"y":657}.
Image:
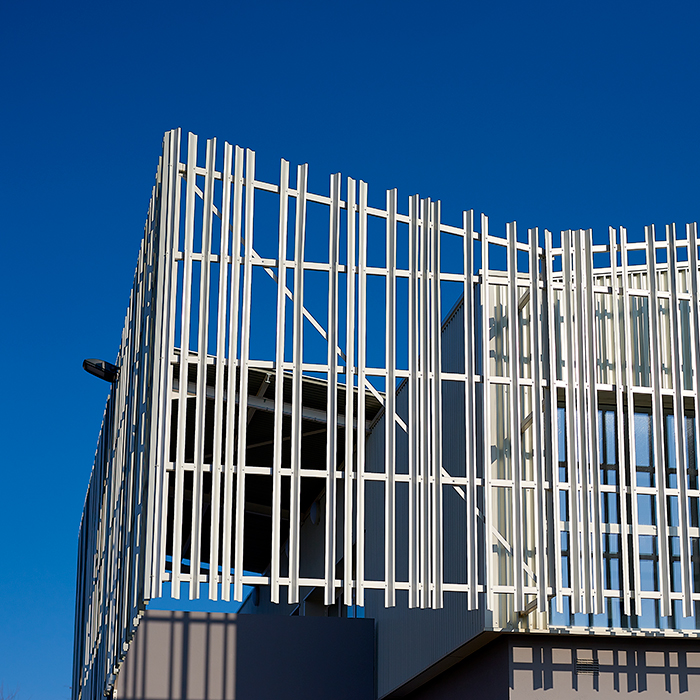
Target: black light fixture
{"x":100,"y":368}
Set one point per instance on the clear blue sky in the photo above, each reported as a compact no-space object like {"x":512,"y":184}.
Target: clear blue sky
{"x":557,"y":114}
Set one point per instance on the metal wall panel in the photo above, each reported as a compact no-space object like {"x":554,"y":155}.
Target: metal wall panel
{"x":409,"y":640}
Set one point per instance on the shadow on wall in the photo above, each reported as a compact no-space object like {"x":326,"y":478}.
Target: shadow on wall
{"x":181,"y":655}
{"x":578,"y":667}
{"x":220,"y":656}
{"x":570,"y":667}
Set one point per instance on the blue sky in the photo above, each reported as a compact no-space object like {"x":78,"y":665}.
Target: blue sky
{"x":559,"y":115}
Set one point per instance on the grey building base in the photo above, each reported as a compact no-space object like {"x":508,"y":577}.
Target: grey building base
{"x":568,"y":667}
{"x":219,"y":656}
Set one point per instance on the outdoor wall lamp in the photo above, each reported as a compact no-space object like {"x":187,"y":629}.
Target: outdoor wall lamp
{"x":100,"y":368}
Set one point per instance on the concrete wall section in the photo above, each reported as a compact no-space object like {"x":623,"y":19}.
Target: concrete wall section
{"x":218,"y":656}
{"x":588,"y":668}
{"x":536,"y":667}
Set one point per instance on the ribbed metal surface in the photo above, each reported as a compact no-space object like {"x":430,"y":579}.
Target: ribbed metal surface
{"x":410,"y":640}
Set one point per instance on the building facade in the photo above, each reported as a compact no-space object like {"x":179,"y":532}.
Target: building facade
{"x":366,"y":411}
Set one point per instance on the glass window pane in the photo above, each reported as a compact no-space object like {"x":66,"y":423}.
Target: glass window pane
{"x":642,"y":439}
{"x":611,"y":453}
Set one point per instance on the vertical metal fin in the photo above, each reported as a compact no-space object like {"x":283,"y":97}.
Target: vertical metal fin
{"x":626,"y":315}
{"x":351,"y":208}
{"x":361,"y":390}
{"x":297,"y":359}
{"x":243,"y":380}
{"x":279,"y":383}
{"x":229,"y":467}
{"x":220,"y":383}
{"x":583,"y":457}
{"x":657,"y":419}
{"x":390,"y":406}
{"x":572,"y":458}
{"x":184,"y":365}
{"x":470,"y":414}
{"x":201,"y":395}
{"x":436,"y":409}
{"x":692,"y":234}
{"x":555,"y":558}
{"x":486,"y":408}
{"x":514,"y":355}
{"x":537,"y":406}
{"x":332,"y":391}
{"x":618,"y":309}
{"x":425,"y":468}
{"x":414,"y":534}
{"x":594,"y":437}
{"x":681,"y":456}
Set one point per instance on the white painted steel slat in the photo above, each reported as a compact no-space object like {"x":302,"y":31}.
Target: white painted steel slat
{"x":390,"y":405}
{"x":201,"y":364}
{"x":229,"y":469}
{"x":279,"y":382}
{"x":515,"y":417}
{"x":584,"y":457}
{"x":184,"y":365}
{"x":413,"y":404}
{"x":486,"y":413}
{"x":620,"y":451}
{"x":537,"y":401}
{"x":692,"y":235}
{"x":297,"y":355}
{"x":555,"y":564}
{"x":571,"y":431}
{"x":129,"y":570}
{"x":426,"y":452}
{"x":596,"y":581}
{"x":626,"y":311}
{"x":244,"y":376}
{"x":470,"y":446}
{"x":350,"y":369}
{"x":436,"y":408}
{"x":154,"y":555}
{"x":361,"y":394}
{"x":169,"y":355}
{"x":681,"y":456}
{"x":220,"y":369}
{"x":657,"y":420}
{"x":332,"y":392}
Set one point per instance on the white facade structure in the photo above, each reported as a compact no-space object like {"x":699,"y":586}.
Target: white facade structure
{"x":502,"y":422}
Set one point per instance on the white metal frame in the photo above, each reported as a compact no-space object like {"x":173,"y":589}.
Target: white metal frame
{"x":123,"y":554}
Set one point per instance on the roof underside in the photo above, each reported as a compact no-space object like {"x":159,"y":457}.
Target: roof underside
{"x":260,"y":438}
